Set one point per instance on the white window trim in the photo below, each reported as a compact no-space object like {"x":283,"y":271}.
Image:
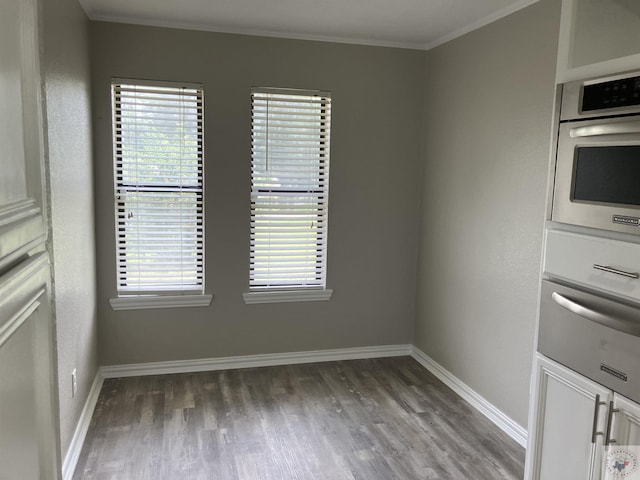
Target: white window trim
{"x":166,"y":301}
{"x":287,"y":296}
{"x":294,"y":293}
{"x":179,"y":298}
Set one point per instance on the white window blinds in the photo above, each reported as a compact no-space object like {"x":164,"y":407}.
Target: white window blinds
{"x":289,"y":189}
{"x":158,"y":161}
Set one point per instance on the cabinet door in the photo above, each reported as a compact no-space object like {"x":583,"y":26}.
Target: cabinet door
{"x":598,"y":37}
{"x":625,"y":422}
{"x":29,"y":442}
{"x":620,"y":458}
{"x":567,"y":418}
{"x":27,"y":431}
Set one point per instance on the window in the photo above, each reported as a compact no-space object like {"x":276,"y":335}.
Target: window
{"x":158,"y":162}
{"x":289,"y":192}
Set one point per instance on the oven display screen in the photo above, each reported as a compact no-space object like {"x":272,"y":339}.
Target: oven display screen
{"x":607,"y":175}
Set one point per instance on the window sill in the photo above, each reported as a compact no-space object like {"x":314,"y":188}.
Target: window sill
{"x":159,"y":301}
{"x":282,"y":296}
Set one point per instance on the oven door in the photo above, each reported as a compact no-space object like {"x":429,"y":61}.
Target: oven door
{"x":597,"y":182}
{"x":597,"y":337}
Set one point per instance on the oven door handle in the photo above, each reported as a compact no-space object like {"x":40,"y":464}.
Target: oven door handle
{"x":620,"y":324}
{"x":618,"y":128}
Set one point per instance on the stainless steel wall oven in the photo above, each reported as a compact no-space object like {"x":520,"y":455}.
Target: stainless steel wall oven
{"x":597,"y":179}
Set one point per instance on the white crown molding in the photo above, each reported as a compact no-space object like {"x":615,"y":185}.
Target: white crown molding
{"x":479,"y":23}
{"x":77,"y":441}
{"x":255,"y":32}
{"x":493,"y":413}
{"x":249,"y":361}
{"x":302,"y":36}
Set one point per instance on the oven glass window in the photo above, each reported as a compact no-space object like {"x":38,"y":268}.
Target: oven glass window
{"x":608,"y":175}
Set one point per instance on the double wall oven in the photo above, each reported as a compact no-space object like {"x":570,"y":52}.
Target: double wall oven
{"x":590,"y":305}
{"x":590,"y":292}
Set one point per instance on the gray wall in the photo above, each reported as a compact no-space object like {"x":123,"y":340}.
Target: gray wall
{"x":374,"y":193}
{"x":65,"y":68}
{"x":488,"y":108}
{"x":478,"y":142}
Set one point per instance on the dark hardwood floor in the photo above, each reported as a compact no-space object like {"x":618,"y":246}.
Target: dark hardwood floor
{"x":378,"y":419}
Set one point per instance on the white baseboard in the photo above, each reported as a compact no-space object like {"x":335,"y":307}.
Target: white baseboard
{"x":73,"y":453}
{"x":247,"y":361}
{"x":508,"y":425}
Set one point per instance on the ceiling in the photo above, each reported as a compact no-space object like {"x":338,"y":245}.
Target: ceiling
{"x":419,"y":24}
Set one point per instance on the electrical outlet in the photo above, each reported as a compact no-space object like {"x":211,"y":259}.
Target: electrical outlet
{"x":74,"y":383}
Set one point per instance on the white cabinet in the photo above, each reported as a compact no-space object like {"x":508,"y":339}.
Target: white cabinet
{"x":598,"y":37}
{"x":29,"y":442}
{"x":566,"y":410}
{"x":571,"y":421}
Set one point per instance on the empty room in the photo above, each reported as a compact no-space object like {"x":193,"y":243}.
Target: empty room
{"x":314,"y":240}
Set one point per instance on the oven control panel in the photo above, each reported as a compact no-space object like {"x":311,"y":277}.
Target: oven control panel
{"x":624,"y":92}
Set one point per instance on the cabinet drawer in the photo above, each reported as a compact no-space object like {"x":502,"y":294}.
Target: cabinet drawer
{"x":600,"y":263}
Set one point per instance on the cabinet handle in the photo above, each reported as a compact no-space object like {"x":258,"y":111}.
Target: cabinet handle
{"x":596,"y":411}
{"x":607,"y":439}
{"x":608,"y":269}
